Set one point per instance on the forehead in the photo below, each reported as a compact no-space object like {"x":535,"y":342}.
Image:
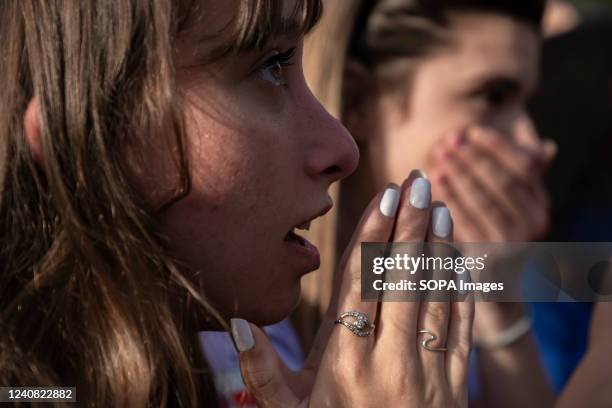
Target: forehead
{"x":492,"y":44}
{"x":213,"y":22}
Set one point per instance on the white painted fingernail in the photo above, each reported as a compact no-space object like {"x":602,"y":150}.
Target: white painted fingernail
{"x":390,"y":201}
{"x":242,"y":334}
{"x":441,"y":222}
{"x":420,"y":193}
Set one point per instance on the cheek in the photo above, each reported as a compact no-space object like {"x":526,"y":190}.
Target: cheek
{"x":510,"y":120}
{"x":236,"y":152}
{"x":413,"y":142}
{"x":224,"y":232}
{"x":228,"y":225}
{"x":438,"y":102}
{"x":411,"y":145}
{"x":226,"y":161}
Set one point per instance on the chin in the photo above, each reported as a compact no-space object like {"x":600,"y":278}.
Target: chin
{"x":273,"y":309}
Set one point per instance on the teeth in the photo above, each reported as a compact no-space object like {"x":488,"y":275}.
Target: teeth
{"x":305,"y":226}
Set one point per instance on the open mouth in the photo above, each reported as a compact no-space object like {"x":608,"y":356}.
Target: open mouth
{"x":293,"y":237}
{"x":307,"y":253}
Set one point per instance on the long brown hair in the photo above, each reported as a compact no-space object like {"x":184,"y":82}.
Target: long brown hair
{"x":88,"y":296}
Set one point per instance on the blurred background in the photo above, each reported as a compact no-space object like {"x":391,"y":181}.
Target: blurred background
{"x":586,"y":5}
{"x":574,"y":107}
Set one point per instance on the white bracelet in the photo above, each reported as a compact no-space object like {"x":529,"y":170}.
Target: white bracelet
{"x":507,"y":337}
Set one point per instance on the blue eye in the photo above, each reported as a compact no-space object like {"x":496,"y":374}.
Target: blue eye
{"x":272,"y":69}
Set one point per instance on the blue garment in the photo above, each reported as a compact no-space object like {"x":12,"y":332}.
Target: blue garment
{"x":561,"y":331}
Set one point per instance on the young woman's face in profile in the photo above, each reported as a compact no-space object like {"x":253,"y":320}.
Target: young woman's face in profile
{"x":262,"y":154}
{"x":485,"y":78}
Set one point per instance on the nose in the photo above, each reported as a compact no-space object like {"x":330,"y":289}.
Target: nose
{"x":332,"y":153}
{"x":525,"y":132}
{"x":517,"y":125}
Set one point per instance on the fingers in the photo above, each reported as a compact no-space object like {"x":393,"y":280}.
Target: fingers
{"x":521,"y":163}
{"x":524,"y":167}
{"x":376,"y":226}
{"x":413,"y":217}
{"x":398,"y":320}
{"x":398,"y":216}
{"x":490,"y":201}
{"x":493,"y":178}
{"x":434,"y":315}
{"x":261,"y":368}
{"x":468,"y":229}
{"x":458,"y":343}
{"x":461,"y":190}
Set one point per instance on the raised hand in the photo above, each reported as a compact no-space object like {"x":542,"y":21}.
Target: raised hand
{"x":388,"y":365}
{"x":493,"y":185}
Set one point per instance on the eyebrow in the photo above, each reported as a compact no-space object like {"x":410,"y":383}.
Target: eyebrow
{"x":508,"y":83}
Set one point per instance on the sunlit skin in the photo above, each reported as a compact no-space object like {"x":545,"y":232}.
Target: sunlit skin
{"x":263,"y":153}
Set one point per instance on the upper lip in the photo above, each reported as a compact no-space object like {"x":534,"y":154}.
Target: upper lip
{"x":307,"y":221}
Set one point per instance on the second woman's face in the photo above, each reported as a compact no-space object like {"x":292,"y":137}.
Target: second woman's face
{"x":262,"y":154}
{"x":484,"y":78}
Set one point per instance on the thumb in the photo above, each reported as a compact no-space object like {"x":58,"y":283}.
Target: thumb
{"x":261,"y":367}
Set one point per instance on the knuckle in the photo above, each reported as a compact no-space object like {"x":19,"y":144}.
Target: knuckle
{"x":432,"y":395}
{"x":462,"y":350}
{"x":372,"y":230}
{"x":396,"y":383}
{"x":351,"y":371}
{"x":437,"y":313}
{"x":399,"y":327}
{"x":261,"y":382}
{"x":412,"y":228}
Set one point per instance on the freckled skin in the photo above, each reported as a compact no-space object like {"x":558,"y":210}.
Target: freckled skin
{"x":259,"y":156}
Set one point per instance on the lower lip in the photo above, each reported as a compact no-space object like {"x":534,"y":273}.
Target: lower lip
{"x":306,"y":251}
